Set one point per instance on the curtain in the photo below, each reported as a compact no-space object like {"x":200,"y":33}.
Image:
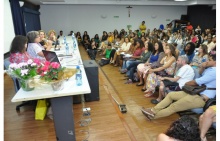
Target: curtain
{"x":32,"y":19}
{"x":17,"y":16}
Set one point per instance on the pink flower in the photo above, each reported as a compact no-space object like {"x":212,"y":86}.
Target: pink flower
{"x":37,"y":61}
{"x":55,"y":65}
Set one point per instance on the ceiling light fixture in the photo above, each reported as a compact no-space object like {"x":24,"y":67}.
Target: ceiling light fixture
{"x":53,"y":2}
{"x":180,"y":0}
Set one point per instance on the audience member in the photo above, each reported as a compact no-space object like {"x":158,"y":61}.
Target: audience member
{"x":176,"y":27}
{"x":97,"y":40}
{"x":144,"y":57}
{"x":70,"y":34}
{"x":189,"y":51}
{"x":78,"y":37}
{"x":211,"y":44}
{"x":124,"y":48}
{"x":183,"y":100}
{"x":109,"y":52}
{"x":104,"y":41}
{"x":86,"y":42}
{"x":176,"y":50}
{"x":129,"y":58}
{"x":60,"y":35}
{"x":110,"y":38}
{"x":189,"y":28}
{"x":198,"y":59}
{"x":184,"y":73}
{"x":206,"y":120}
{"x":154,"y":60}
{"x":183,"y":129}
{"x":92,"y":49}
{"x":143,"y":27}
{"x":85,"y":37}
{"x":167,"y":68}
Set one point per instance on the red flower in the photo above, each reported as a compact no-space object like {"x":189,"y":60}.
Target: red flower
{"x":45,"y":68}
{"x":47,"y":63}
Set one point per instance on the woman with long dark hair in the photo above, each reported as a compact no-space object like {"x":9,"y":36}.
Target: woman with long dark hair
{"x":189,"y":51}
{"x":154,"y":60}
{"x":18,"y":51}
{"x":166,"y":68}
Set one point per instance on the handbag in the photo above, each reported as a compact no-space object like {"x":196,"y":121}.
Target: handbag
{"x":193,"y":90}
{"x":41,"y":109}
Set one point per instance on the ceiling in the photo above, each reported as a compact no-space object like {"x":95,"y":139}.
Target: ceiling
{"x":126,"y":2}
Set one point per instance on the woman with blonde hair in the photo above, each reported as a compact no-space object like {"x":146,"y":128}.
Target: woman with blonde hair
{"x":43,"y":41}
{"x":52,"y":36}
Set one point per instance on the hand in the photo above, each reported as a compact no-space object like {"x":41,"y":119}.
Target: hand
{"x":146,"y":64}
{"x":150,"y":71}
{"x":161,"y":78}
{"x":204,"y":64}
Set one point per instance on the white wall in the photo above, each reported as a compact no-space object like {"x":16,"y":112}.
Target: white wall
{"x":89,"y":17}
{"x":9,"y":33}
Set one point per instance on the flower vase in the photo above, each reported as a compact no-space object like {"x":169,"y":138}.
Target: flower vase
{"x":27,"y":85}
{"x":57,"y":85}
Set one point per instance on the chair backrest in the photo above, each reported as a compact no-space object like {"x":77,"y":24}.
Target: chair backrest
{"x":6,"y":63}
{"x":15,"y":80}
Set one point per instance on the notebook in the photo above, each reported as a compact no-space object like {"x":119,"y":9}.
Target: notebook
{"x":50,"y":56}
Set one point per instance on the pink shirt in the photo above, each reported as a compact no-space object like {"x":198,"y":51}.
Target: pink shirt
{"x":19,"y":57}
{"x":138,"y":51}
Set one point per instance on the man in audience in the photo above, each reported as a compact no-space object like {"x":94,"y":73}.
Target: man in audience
{"x":143,"y":27}
{"x":183,"y":74}
{"x":60,"y":35}
{"x":206,"y":120}
{"x":183,"y":100}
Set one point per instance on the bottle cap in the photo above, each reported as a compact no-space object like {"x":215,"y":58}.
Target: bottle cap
{"x":77,"y":67}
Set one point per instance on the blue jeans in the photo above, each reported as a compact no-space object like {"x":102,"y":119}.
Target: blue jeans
{"x":126,"y":63}
{"x":132,"y":68}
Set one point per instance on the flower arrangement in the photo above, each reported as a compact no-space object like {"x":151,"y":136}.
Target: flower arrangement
{"x":50,"y":71}
{"x":23,"y":70}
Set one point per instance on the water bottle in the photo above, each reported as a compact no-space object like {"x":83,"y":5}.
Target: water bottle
{"x":73,"y":36}
{"x":78,"y":76}
{"x":67,"y":49}
{"x":64,"y":39}
{"x":74,"y":45}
